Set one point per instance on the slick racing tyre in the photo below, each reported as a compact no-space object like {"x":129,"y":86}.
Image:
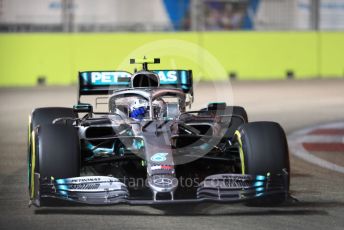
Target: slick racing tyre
{"x":264,"y":151}
{"x":239,"y":117}
{"x":238,"y":111}
{"x":55,"y":153}
{"x":44,"y":116}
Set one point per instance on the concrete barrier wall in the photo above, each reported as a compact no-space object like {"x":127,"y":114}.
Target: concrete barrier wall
{"x":251,"y":55}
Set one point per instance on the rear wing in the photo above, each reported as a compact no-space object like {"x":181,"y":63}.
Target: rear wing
{"x":180,"y":79}
{"x":105,"y":82}
{"x":102,"y":82}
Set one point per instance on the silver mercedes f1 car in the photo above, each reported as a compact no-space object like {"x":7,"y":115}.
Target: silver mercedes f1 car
{"x":146,"y":148}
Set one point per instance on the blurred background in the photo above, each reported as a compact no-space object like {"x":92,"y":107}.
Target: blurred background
{"x":170,"y":15}
{"x":48,"y":41}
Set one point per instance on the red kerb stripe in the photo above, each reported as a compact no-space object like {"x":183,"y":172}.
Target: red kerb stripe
{"x":324,"y":147}
{"x":328,"y":132}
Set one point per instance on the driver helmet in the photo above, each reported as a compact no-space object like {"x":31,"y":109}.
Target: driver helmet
{"x":138,"y":108}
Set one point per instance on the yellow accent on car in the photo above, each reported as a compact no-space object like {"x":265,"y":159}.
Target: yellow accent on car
{"x":241,"y":151}
{"x":144,"y":60}
{"x":29,"y":134}
{"x":29,"y":148}
{"x":33,"y":163}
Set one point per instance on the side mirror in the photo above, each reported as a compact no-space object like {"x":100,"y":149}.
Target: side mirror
{"x":83,"y":108}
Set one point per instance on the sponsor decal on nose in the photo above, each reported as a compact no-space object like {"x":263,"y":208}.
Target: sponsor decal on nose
{"x":159,"y":157}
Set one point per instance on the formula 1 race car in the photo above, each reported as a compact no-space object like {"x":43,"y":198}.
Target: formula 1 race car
{"x":146,"y":148}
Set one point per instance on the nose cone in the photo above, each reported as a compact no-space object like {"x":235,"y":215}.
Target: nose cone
{"x":163,"y":183}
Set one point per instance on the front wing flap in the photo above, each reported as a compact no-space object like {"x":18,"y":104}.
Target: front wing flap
{"x":241,"y":187}
{"x":93,"y":190}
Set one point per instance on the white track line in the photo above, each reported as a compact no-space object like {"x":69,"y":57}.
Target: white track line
{"x":322,"y":139}
{"x":296,"y":139}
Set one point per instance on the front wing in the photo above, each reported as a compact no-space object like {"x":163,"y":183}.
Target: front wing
{"x":104,"y":190}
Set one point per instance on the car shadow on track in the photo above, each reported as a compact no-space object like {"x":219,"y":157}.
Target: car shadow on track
{"x":298,"y":209}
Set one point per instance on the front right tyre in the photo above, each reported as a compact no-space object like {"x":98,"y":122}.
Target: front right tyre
{"x":39,"y":117}
{"x":55,"y":153}
{"x":263,"y":150}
